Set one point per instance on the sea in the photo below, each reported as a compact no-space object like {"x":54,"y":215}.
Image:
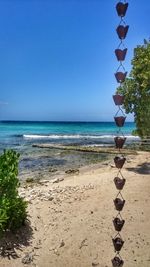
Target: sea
{"x":21,"y":135}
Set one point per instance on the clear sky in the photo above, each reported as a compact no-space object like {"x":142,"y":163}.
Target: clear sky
{"x":57,"y":57}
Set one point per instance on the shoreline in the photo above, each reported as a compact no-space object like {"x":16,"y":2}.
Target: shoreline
{"x":56,"y":160}
{"x":96,"y":149}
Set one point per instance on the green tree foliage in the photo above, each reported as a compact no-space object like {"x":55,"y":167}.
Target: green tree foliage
{"x":12,"y":207}
{"x":136,"y":89}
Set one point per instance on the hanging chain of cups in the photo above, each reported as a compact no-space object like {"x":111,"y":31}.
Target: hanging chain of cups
{"x":120,"y":139}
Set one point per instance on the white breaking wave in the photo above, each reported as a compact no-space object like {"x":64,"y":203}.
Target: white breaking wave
{"x":132,"y":137}
{"x":78,"y":136}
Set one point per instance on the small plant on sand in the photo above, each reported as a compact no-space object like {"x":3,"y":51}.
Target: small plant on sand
{"x":12,"y":207}
{"x":30,"y":180}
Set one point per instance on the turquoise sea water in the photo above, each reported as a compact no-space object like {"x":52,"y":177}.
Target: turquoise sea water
{"x":22,"y":135}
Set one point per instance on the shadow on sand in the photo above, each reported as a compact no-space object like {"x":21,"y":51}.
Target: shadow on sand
{"x":143,"y":168}
{"x":11,"y":242}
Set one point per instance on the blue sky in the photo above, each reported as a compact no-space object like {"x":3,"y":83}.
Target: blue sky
{"x":57,"y":57}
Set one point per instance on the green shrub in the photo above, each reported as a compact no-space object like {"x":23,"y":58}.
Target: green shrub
{"x":12,"y":207}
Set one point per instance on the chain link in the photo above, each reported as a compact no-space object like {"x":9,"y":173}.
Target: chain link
{"x":119,"y":180}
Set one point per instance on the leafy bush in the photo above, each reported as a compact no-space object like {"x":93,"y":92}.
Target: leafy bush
{"x":12,"y":207}
{"x":136,"y":89}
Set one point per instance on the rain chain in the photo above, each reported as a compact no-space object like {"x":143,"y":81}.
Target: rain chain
{"x":120,"y":139}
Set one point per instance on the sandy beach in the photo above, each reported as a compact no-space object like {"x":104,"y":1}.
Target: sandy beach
{"x":74,"y":121}
{"x":70,"y":220}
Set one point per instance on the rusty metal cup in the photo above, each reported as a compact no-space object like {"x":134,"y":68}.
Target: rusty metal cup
{"x":119,"y":203}
{"x":119,"y":183}
{"x":118,"y":224}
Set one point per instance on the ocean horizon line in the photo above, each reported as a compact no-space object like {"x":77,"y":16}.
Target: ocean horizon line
{"x":60,"y":121}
